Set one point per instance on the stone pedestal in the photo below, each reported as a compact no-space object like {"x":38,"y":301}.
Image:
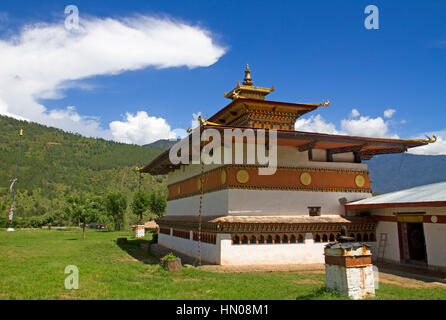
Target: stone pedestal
{"x":139,"y":231}
{"x":349,"y":269}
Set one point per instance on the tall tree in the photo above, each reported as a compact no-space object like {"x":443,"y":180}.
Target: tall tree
{"x":82,"y":210}
{"x":140,"y":204}
{"x":116,"y":203}
{"x":158,"y":203}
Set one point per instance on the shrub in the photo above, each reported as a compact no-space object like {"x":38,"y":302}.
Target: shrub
{"x":170,"y":256}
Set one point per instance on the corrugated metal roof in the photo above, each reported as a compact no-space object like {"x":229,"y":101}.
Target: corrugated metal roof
{"x":427,"y":193}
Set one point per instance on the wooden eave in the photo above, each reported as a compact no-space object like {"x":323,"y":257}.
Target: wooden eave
{"x":306,"y":140}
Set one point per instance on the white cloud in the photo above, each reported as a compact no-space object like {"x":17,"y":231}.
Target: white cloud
{"x":141,"y":129}
{"x":45,"y":59}
{"x":315,"y":124}
{"x":366,"y":127}
{"x":355,"y":113}
{"x":389,"y":113}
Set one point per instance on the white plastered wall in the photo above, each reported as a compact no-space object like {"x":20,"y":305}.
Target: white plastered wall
{"x":225,"y":253}
{"x":435,"y":235}
{"x":209,"y":252}
{"x":241,"y":202}
{"x":284,"y":202}
{"x":214,"y":203}
{"x":249,"y":254}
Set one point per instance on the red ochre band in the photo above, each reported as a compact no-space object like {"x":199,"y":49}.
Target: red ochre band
{"x":242,"y":177}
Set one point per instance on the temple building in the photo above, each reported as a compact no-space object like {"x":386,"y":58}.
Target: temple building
{"x":230,"y":214}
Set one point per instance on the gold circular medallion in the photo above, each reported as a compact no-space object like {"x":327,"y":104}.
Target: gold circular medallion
{"x":242,"y":176}
{"x":223,"y":177}
{"x":305,"y":178}
{"x":360,"y":181}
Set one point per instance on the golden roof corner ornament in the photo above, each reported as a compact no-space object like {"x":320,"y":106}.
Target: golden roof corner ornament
{"x":431,"y":140}
{"x":202,"y":122}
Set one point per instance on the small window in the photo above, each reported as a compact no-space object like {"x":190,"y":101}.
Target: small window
{"x":314,"y":211}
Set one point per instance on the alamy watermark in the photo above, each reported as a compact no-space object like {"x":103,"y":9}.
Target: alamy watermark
{"x":72,"y":17}
{"x":371,"y":22}
{"x":72,"y":281}
{"x":260,"y":148}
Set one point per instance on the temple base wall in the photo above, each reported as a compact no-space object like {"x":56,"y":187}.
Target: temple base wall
{"x":296,"y":253}
{"x":210,"y":253}
{"x":225,"y":253}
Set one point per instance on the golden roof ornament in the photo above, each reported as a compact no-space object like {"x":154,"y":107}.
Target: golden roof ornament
{"x":202,"y":122}
{"x":246,"y":90}
{"x":431,"y":140}
{"x":248,"y":80}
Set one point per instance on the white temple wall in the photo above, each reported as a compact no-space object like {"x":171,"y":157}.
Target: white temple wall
{"x":209,"y":252}
{"x":392,"y":250}
{"x":283,"y":202}
{"x":435,"y":235}
{"x":302,"y":253}
{"x":240,"y":202}
{"x":214,"y":203}
{"x":344,"y":157}
{"x":319,"y":155}
{"x":225,"y":253}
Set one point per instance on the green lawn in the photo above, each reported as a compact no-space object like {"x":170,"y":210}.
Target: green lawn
{"x":32,"y":265}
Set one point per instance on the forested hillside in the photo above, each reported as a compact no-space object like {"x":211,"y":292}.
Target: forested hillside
{"x":55,"y":163}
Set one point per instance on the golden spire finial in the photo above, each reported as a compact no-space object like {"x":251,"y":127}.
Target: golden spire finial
{"x":248,"y":80}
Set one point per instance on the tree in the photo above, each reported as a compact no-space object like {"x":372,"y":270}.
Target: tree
{"x":82,"y":210}
{"x":158,"y":203}
{"x":116,"y":203}
{"x":140,"y":204}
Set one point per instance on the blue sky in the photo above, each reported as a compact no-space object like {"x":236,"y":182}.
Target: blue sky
{"x":310,"y":51}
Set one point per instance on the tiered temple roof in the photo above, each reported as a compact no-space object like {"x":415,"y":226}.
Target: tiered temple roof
{"x":249,"y":109}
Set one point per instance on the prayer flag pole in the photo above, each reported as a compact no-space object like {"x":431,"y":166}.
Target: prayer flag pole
{"x":13,"y":184}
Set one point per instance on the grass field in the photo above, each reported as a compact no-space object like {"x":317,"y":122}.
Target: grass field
{"x":32,"y":265}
